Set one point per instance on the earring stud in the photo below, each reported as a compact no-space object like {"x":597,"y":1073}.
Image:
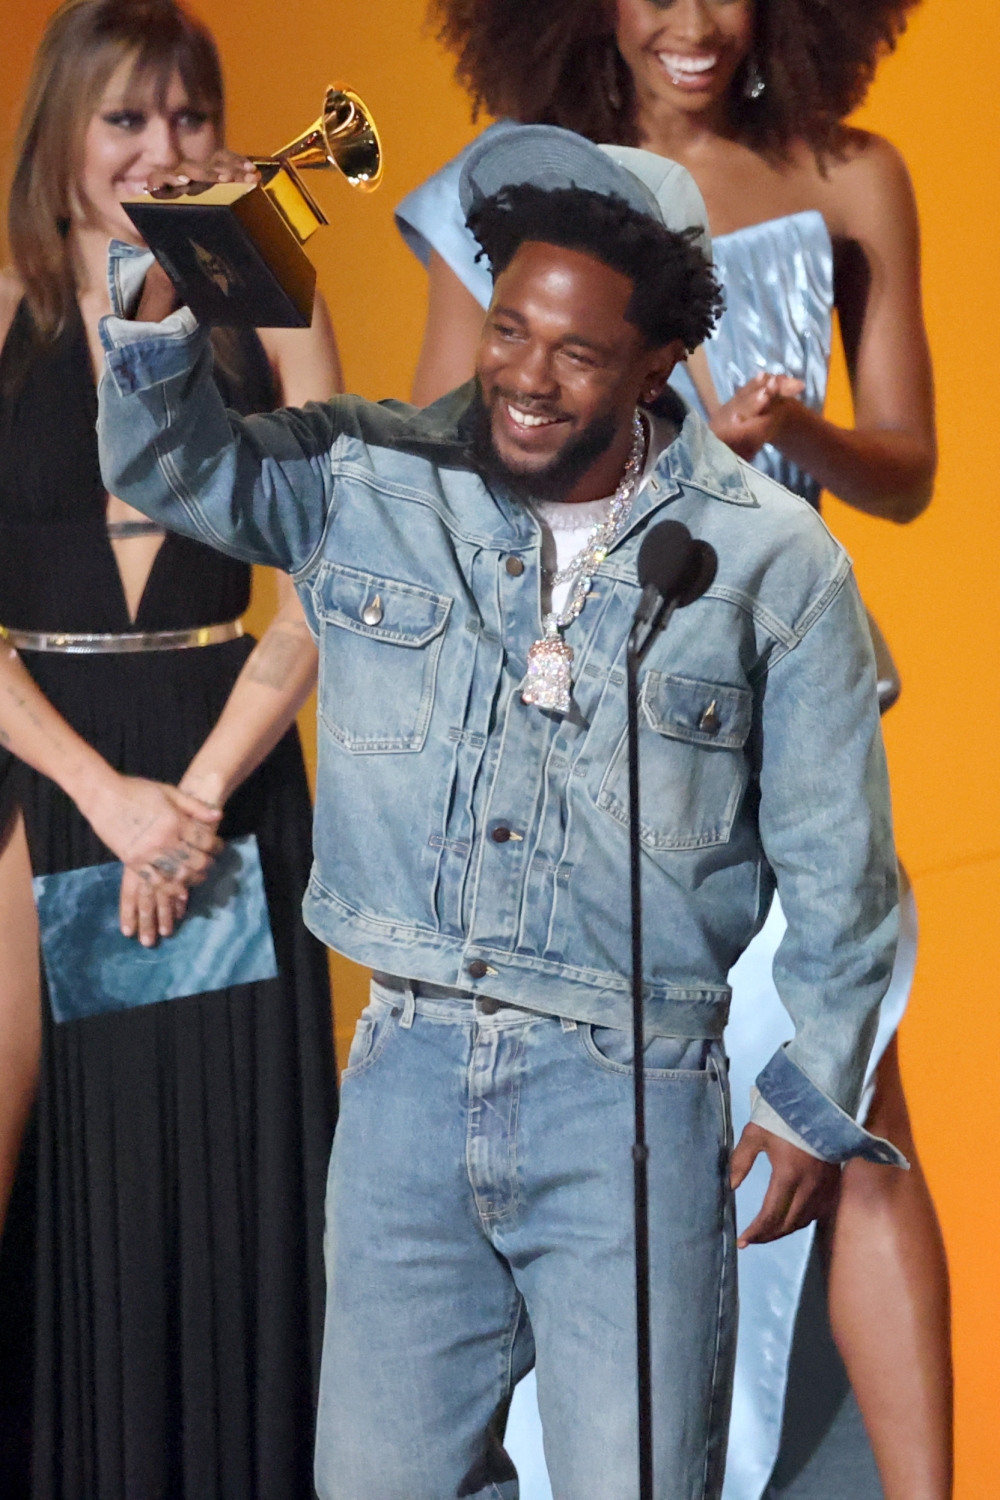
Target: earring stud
{"x":754,"y":84}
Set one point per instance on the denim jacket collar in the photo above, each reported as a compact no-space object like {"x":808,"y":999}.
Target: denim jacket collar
{"x":440,"y":433}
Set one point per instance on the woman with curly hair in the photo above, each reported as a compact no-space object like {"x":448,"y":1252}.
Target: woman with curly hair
{"x":808,"y":215}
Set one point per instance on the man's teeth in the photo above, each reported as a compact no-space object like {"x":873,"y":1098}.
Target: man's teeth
{"x":679,"y":66}
{"x":525,"y":418}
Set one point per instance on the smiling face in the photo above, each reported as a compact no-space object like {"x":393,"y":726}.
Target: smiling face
{"x":560,"y":371}
{"x":684,"y":54}
{"x":134,"y":131}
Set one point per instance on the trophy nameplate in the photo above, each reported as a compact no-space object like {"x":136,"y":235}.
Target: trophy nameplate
{"x":234,"y":250}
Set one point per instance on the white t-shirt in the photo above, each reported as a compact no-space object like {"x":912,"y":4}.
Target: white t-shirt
{"x":568,"y":527}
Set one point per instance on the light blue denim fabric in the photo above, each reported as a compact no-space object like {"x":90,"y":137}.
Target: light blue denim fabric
{"x":761,"y":750}
{"x":479,"y":1217}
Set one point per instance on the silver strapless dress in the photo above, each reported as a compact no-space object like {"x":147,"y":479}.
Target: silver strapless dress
{"x":778,"y":282}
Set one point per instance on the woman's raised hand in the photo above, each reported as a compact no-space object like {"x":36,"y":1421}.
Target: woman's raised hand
{"x":756,"y":413}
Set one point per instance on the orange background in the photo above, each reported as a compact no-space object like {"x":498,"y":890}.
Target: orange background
{"x":933,"y":586}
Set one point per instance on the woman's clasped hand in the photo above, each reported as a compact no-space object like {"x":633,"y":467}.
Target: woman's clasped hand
{"x":166,"y":840}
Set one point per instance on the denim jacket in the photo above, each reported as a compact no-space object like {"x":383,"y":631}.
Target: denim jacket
{"x":463,"y":838}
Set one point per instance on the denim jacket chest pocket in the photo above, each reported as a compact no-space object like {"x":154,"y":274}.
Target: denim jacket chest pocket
{"x":692,"y":763}
{"x":380,"y":641}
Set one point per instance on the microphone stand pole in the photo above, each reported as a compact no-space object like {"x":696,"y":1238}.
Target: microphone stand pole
{"x":635,"y":653}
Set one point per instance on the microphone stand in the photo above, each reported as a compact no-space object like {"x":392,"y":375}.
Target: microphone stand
{"x":635,"y":653}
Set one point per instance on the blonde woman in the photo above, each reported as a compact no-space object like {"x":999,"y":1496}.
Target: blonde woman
{"x":172,"y":1258}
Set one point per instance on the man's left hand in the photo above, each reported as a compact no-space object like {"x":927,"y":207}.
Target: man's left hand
{"x":802,"y":1187}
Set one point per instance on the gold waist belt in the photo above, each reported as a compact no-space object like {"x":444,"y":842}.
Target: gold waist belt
{"x":147,"y":640}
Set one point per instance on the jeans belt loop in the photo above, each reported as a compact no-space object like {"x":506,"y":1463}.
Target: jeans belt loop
{"x":409,"y":1006}
{"x":567,"y":1024}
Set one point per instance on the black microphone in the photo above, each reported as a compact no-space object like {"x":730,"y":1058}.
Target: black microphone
{"x":703,"y":566}
{"x":674,"y":568}
{"x":663,"y":567}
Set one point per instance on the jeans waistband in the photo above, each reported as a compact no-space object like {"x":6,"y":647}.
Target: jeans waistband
{"x":448,"y":1003}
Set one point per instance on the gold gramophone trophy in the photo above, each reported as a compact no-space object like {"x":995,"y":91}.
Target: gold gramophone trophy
{"x":234,"y":249}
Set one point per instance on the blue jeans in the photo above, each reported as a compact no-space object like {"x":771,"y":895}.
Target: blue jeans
{"x":479,"y":1220}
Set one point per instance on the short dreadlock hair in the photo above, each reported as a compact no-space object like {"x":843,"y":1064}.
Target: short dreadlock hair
{"x":676,"y":294}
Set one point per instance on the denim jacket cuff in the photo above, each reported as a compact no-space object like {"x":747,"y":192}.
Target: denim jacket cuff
{"x":822,"y":1124}
{"x":767,"y":1118}
{"x":140,"y":355}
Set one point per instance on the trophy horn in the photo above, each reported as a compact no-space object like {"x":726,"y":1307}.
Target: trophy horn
{"x":234,"y":249}
{"x":344,"y":137}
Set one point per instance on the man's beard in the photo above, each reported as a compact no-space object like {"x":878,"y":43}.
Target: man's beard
{"x":559,"y":477}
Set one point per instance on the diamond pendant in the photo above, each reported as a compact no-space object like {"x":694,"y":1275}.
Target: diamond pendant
{"x":548,"y":681}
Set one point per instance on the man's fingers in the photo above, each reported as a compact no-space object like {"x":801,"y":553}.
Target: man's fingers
{"x":792,"y":1212}
{"x":770,"y":1222}
{"x":744,"y":1155}
{"x":800,"y":1188}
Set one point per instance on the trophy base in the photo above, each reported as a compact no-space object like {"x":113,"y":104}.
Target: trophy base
{"x":234,"y":250}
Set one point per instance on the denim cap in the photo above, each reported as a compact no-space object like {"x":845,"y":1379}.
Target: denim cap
{"x":549,"y":157}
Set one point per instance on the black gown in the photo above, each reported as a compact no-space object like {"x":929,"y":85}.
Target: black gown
{"x":165,"y":1238}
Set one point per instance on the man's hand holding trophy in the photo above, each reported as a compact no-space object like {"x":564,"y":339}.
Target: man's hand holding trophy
{"x":228,"y":237}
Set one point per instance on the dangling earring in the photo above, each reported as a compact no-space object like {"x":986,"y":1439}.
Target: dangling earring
{"x":611,"y":89}
{"x":754,"y":83}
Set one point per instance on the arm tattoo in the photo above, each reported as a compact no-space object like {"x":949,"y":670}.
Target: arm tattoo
{"x":20,"y":701}
{"x":169,"y":864}
{"x":274,"y":659}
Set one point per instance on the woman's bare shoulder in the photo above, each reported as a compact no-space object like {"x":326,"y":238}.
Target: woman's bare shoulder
{"x":11,"y":292}
{"x":868,"y":181}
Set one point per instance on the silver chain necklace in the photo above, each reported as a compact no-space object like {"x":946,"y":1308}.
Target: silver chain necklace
{"x":549,"y":678}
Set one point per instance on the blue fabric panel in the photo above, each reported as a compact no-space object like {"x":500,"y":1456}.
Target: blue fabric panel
{"x":224,"y":939}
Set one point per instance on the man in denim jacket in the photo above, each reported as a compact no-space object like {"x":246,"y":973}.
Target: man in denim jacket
{"x":471,"y":846}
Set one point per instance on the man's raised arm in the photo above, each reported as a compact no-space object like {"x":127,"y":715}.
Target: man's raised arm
{"x":257,"y":488}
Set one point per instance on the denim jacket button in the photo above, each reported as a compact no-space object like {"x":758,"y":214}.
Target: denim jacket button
{"x":514,"y":566}
{"x":372,"y":613}
{"x":478,"y":969}
{"x":710,"y":723}
{"x":500,"y":835}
